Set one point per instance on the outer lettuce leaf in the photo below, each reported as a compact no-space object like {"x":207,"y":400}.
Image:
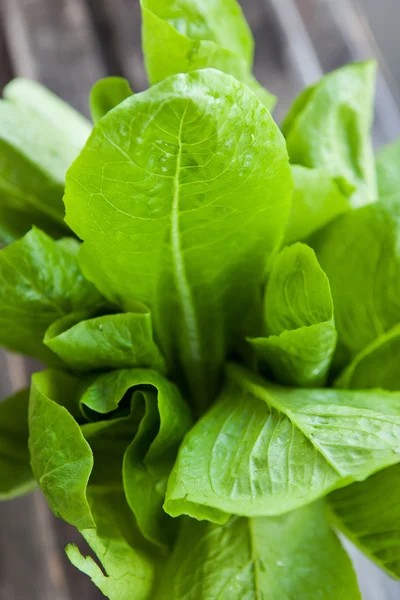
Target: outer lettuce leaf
{"x":16,"y":473}
{"x":112,"y":341}
{"x":160,"y":419}
{"x":280,"y":558}
{"x":83,"y":470}
{"x":316,"y":201}
{"x":368,"y":513}
{"x":388,"y":170}
{"x":360,"y":253}
{"x":263,"y":450}
{"x":375,"y":366}
{"x":329,"y":127}
{"x":203,"y":193}
{"x":41,"y":281}
{"x":299,"y":317}
{"x":40,"y":137}
{"x":106,"y":94}
{"x":186,"y":35}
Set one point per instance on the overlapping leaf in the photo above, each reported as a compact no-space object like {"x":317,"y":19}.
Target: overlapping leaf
{"x":180,"y":36}
{"x":299,"y":318}
{"x":187,"y":183}
{"x":106,"y":94}
{"x":292,"y":556}
{"x":264,"y":450}
{"x":329,"y":127}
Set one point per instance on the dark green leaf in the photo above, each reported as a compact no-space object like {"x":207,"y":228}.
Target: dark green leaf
{"x":263,"y":450}
{"x":292,"y":556}
{"x":106,"y":94}
{"x":41,"y":282}
{"x":368,"y":513}
{"x":16,"y":473}
{"x":360,"y":253}
{"x":329,"y":127}
{"x":168,"y":170}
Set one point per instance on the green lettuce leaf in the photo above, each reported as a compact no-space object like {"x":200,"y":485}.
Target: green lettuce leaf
{"x":263,"y":450}
{"x":41,"y":282}
{"x":157,"y":423}
{"x":106,"y":94}
{"x":368,"y":513}
{"x":16,"y":473}
{"x":180,"y":36}
{"x":375,"y":366}
{"x":316,"y":201}
{"x":40,"y":137}
{"x":85,"y":471}
{"x":388,"y":170}
{"x":329,"y":127}
{"x":299,"y":318}
{"x":360,"y":253}
{"x":112,"y":341}
{"x":198,"y":203}
{"x":280,"y":558}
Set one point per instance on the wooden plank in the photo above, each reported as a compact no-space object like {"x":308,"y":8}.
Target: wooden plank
{"x":53,"y":41}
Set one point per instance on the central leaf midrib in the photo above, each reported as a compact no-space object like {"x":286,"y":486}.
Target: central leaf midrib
{"x":182,"y":284}
{"x":253,"y":554}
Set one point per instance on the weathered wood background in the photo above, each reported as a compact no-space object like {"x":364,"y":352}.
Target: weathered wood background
{"x":68,"y":45}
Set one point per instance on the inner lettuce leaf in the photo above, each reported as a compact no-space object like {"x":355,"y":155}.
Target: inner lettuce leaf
{"x":114,"y":341}
{"x":41,"y":282}
{"x":16,"y":473}
{"x":329,"y":127}
{"x":138,"y":421}
{"x":188,"y":183}
{"x":298,"y":315}
{"x":281,"y":558}
{"x":180,"y":36}
{"x":40,"y":137}
{"x":106,"y":94}
{"x":360,"y":253}
{"x":263,"y":450}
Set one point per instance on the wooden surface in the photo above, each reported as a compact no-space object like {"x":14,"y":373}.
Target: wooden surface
{"x":68,"y":45}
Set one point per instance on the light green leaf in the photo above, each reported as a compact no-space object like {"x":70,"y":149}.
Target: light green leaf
{"x":151,"y":436}
{"x":265,"y":558}
{"x":40,"y":136}
{"x":375,"y":366}
{"x":360,"y":253}
{"x":316,"y":201}
{"x":186,"y":35}
{"x":264,"y":450}
{"x":112,"y":341}
{"x":93,"y":501}
{"x":68,"y":123}
{"x":106,"y":94}
{"x":299,"y":319}
{"x":16,"y":473}
{"x":368,"y":513}
{"x":388,"y":170}
{"x":61,"y":458}
{"x":129,"y":569}
{"x":187,"y":188}
{"x":329,"y":127}
{"x":41,"y":282}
